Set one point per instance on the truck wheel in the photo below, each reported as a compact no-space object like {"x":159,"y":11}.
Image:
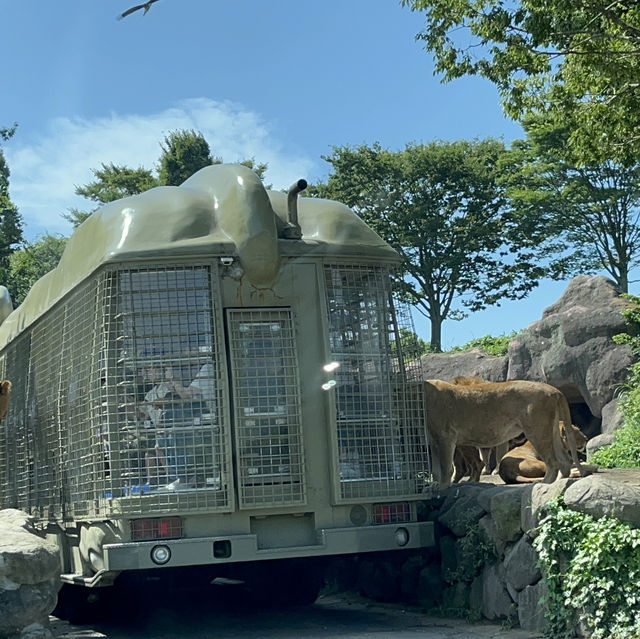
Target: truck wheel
{"x":80,"y":605}
{"x":287,"y":583}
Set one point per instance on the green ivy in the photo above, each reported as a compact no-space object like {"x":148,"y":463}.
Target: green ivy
{"x":592,"y":570}
{"x":489,"y":344}
{"x":624,"y":452}
{"x":477,"y":551}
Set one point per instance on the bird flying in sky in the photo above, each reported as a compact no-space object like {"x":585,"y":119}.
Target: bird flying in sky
{"x":145,"y":5}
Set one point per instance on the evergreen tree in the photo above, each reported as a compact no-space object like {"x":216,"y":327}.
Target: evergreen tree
{"x":31,"y":262}
{"x":10,"y":218}
{"x":183,"y":153}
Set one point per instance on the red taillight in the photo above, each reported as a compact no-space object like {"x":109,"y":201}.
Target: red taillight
{"x":391,"y":513}
{"x":157,"y":528}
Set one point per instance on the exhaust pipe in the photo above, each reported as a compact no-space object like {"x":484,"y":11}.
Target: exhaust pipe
{"x":293,"y":231}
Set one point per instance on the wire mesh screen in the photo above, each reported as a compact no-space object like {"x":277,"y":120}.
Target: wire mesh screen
{"x":381,"y":440}
{"x":19,"y":469}
{"x":163,"y":389}
{"x":70,"y":346}
{"x":116,"y":405}
{"x":265,"y":386}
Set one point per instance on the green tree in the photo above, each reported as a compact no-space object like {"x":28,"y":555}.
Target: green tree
{"x":184,"y":153}
{"x":76,"y":216}
{"x":594,"y":207}
{"x":578,"y":60}
{"x":10,"y":218}
{"x":412,"y":345}
{"x":259,"y":168}
{"x":116,"y":181}
{"x":441,"y":206}
{"x":30,"y":263}
{"x":112,"y":182}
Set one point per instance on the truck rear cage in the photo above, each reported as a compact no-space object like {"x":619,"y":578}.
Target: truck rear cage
{"x":381,"y":441}
{"x":268,"y":423}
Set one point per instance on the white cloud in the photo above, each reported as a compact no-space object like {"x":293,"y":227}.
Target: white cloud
{"x":45,"y":172}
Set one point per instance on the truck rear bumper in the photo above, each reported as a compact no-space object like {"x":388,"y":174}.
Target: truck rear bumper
{"x":241,"y":548}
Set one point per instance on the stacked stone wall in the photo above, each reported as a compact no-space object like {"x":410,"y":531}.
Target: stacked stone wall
{"x":484,"y":564}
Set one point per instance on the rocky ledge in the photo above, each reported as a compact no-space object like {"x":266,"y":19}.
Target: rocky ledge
{"x":512,"y":587}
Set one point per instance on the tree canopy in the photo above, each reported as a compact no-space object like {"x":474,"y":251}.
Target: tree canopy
{"x":31,"y":262}
{"x":443,"y":208}
{"x":594,"y":207}
{"x":116,"y":181}
{"x":10,"y":218}
{"x":578,"y":60}
{"x":184,"y":152}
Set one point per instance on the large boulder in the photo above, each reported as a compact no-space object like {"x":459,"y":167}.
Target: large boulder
{"x":471,"y":363}
{"x":612,"y":418}
{"x":461,"y":509}
{"x":572,"y":348}
{"x":521,"y":565}
{"x":505,"y":511}
{"x":530,"y":611}
{"x":496,"y":602}
{"x":600,"y":495}
{"x":534,"y":498}
{"x":29,"y":576}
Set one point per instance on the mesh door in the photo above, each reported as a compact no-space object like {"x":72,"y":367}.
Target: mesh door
{"x":268,"y":436}
{"x":380,"y":434}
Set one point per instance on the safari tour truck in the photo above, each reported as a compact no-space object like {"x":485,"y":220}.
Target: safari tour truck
{"x":212,"y":383}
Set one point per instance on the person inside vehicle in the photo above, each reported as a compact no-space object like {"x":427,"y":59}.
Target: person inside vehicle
{"x":169,"y":403}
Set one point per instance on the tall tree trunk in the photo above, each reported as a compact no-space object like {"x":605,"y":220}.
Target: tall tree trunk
{"x":436,"y":334}
{"x":623,"y":279}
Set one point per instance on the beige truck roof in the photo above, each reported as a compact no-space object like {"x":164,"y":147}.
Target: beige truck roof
{"x":222,"y":210}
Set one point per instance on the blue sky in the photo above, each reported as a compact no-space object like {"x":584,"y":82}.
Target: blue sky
{"x":280,"y":81}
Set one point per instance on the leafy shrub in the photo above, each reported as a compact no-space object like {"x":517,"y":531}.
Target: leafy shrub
{"x":625,"y":450}
{"x":489,"y":344}
{"x":592,"y":570}
{"x":412,"y":345}
{"x":477,"y":551}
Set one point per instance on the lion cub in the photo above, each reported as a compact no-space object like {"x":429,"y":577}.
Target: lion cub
{"x":523,"y":465}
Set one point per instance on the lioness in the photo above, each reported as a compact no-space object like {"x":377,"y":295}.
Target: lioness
{"x":5,"y":393}
{"x":489,"y":463}
{"x":523,"y":465}
{"x":467,"y":463}
{"x":490,"y":413}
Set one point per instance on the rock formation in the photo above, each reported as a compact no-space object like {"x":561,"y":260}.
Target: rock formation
{"x":29,"y":577}
{"x":570,"y":347}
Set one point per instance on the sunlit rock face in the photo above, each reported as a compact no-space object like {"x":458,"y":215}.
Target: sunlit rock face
{"x":571,"y":347}
{"x":29,"y":576}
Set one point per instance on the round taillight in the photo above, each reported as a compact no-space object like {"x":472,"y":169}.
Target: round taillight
{"x":160,"y":555}
{"x":402,"y":536}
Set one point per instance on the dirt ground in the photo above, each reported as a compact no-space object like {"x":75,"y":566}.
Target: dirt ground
{"x":348,"y":616}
